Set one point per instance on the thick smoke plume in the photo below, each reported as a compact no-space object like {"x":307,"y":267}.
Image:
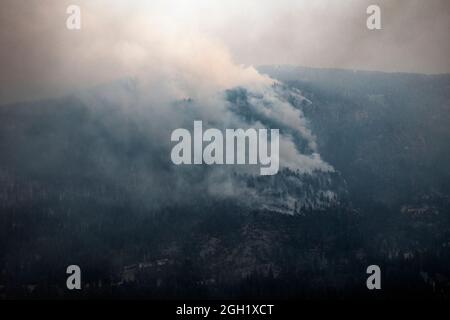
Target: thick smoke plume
{"x":146,"y":77}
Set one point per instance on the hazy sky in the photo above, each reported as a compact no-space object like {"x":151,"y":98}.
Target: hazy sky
{"x":39,"y":57}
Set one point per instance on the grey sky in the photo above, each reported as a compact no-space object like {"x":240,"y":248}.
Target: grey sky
{"x":414,"y":36}
{"x":39,"y":57}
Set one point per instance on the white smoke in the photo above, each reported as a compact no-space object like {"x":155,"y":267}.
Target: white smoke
{"x":161,"y":74}
{"x":169,"y":62}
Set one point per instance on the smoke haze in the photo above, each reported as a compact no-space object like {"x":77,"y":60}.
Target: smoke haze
{"x":41,"y":58}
